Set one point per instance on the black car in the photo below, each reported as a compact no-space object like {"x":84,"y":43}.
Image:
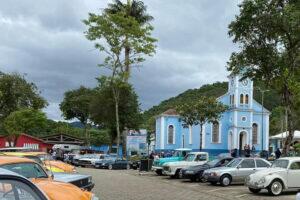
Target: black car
{"x":113,"y":164}
{"x":194,"y":173}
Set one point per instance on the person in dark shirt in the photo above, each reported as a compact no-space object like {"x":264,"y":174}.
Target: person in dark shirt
{"x":277,"y":153}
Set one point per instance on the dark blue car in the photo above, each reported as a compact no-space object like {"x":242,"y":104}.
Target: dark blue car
{"x":112,"y":164}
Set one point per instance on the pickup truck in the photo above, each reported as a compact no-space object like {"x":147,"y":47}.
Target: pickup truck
{"x":178,"y":155}
{"x":194,"y":158}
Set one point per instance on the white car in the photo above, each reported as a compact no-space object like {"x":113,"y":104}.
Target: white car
{"x":194,"y":158}
{"x":90,"y":159}
{"x":284,"y":174}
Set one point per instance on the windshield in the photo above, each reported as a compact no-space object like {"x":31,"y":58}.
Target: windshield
{"x":234,"y":162}
{"x":28,"y":170}
{"x":213,"y":162}
{"x":45,"y":157}
{"x":280,"y":164}
{"x":189,"y":157}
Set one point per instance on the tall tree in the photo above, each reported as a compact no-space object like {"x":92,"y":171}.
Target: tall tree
{"x":199,"y":112}
{"x":268,"y":34}
{"x":132,"y":8}
{"x":22,"y":121}
{"x":103,"y":110}
{"x":76,"y":104}
{"x":113,"y":32}
{"x":17,"y":93}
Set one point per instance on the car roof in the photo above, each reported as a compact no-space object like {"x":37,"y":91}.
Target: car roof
{"x":13,"y":159}
{"x":198,"y":153}
{"x":290,"y":158}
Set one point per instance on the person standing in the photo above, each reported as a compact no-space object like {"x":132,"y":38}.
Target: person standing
{"x":253,"y":150}
{"x":277,"y":153}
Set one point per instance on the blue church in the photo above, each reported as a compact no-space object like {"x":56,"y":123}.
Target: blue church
{"x":245,"y":122}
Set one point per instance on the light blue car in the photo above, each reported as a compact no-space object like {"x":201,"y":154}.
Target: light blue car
{"x":178,"y":155}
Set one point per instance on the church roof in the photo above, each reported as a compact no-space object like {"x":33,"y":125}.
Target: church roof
{"x":171,"y":111}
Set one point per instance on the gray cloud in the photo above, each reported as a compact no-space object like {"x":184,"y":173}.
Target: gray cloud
{"x":44,"y":39}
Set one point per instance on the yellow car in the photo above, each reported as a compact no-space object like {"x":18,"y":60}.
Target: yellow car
{"x":48,"y":162}
{"x":54,"y":190}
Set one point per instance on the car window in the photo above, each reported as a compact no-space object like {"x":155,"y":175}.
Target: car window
{"x":201,"y":157}
{"x":29,"y":170}
{"x":261,"y":164}
{"x":16,"y":190}
{"x":295,"y":166}
{"x":247,"y":163}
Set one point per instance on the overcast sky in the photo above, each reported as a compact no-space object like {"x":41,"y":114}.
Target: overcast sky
{"x":45,"y":41}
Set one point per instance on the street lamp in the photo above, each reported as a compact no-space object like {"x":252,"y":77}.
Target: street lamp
{"x":262,"y":91}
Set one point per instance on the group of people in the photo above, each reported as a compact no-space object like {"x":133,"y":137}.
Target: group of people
{"x":247,"y":151}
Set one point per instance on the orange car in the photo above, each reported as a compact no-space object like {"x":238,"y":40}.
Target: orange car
{"x":49,"y":163}
{"x":55,"y":190}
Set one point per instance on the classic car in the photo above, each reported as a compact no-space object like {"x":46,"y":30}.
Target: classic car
{"x":113,"y":164}
{"x":48,"y":161}
{"x":89,"y":160}
{"x":235,"y":171}
{"x":195,"y":173}
{"x":55,"y":190}
{"x":284,"y":174}
{"x":24,"y":188}
{"x":178,"y":155}
{"x":194,"y":158}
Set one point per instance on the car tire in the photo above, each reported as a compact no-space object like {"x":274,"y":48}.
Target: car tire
{"x":159,"y":172}
{"x":225,"y":180}
{"x":202,"y":179}
{"x":255,"y":191}
{"x":276,"y":187}
{"x":110,"y":167}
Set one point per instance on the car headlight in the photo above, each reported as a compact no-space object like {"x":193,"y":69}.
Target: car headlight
{"x":90,"y":179}
{"x":94,"y":197}
{"x":214,"y":174}
{"x":262,"y":180}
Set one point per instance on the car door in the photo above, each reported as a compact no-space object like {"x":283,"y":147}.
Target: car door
{"x":244,"y":169}
{"x":294,"y":175}
{"x":261,"y":164}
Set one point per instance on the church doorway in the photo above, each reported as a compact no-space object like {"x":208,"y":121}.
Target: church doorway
{"x":242,"y":141}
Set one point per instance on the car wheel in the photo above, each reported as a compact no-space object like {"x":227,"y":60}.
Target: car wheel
{"x":203,"y":179}
{"x":255,"y":191}
{"x":110,"y":167}
{"x":159,"y":172}
{"x":225,"y":180}
{"x":127,"y":166}
{"x":275,"y":188}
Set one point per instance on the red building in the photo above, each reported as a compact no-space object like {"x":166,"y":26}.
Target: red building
{"x":29,"y":141}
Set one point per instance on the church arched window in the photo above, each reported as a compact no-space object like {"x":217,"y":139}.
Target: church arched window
{"x":233,"y":99}
{"x":246,"y":99}
{"x":242,"y":99}
{"x":254,"y":133}
{"x":230,"y":99}
{"x":171,"y":134}
{"x":215,"y":132}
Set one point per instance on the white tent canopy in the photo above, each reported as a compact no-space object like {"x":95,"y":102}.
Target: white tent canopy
{"x":284,"y":134}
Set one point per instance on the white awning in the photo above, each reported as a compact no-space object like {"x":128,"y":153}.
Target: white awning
{"x":284,"y":134}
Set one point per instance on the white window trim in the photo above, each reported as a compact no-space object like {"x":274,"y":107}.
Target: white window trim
{"x":211,"y":130}
{"x":174,"y":130}
{"x":230,"y":144}
{"x":258,"y":133}
{"x":190,"y":134}
{"x":242,"y":118}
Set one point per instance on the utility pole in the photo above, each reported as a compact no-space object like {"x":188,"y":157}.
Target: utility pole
{"x":262,"y":91}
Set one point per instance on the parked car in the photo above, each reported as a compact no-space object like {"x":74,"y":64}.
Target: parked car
{"x":284,"y":174}
{"x":112,"y":164}
{"x":178,"y":155}
{"x":88,"y":160}
{"x":195,"y":173}
{"x":48,"y":161}
{"x":235,"y":171}
{"x":194,"y":158}
{"x":53,"y":189}
{"x":24,"y":188}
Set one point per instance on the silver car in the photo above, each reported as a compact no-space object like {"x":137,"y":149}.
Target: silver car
{"x":235,"y":171}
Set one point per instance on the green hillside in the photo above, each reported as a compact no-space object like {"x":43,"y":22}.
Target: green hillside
{"x":271,"y":101}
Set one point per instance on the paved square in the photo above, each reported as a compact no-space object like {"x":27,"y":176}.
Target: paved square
{"x":130,"y":185}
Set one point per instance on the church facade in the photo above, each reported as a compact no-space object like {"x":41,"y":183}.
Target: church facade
{"x":245,"y":122}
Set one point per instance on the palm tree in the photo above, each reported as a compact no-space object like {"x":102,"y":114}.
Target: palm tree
{"x":135,"y":9}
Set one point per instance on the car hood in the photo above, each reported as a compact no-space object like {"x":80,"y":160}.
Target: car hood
{"x":59,"y":164}
{"x":198,"y":167}
{"x":220,"y":169}
{"x":268,"y":171}
{"x":56,"y":190}
{"x":89,"y":159}
{"x":68,"y":178}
